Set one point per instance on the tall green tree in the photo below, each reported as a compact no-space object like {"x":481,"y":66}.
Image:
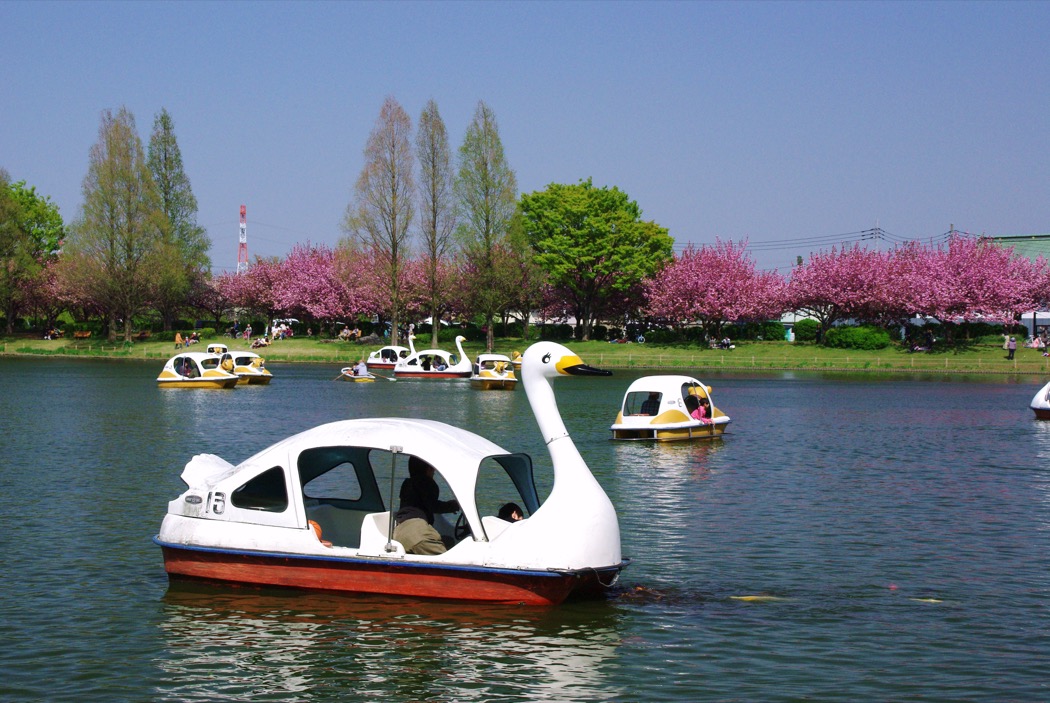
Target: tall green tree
{"x":185,"y":244}
{"x":487,"y":191}
{"x":31,"y":231}
{"x":114,"y":252}
{"x":380,"y":214}
{"x":437,"y":208}
{"x":593,"y":245}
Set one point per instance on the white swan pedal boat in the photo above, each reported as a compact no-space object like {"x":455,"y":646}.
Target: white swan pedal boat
{"x":1041,"y":403}
{"x":659,"y":408}
{"x":195,"y":370}
{"x":254,"y":522}
{"x":434,"y":363}
{"x":493,"y":372}
{"x":248,"y":366}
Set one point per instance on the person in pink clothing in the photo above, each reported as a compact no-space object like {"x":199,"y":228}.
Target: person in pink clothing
{"x":699,"y":408}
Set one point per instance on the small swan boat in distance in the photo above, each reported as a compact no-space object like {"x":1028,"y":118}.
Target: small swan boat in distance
{"x":195,"y":370}
{"x":493,"y":372}
{"x":662,"y":408}
{"x":314,"y":510}
{"x":1041,"y":403}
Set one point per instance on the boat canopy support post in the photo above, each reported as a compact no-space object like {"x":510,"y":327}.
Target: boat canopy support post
{"x":394,"y":451}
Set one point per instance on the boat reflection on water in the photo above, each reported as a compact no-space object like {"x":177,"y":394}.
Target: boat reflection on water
{"x":224,"y":644}
{"x":668,"y":460}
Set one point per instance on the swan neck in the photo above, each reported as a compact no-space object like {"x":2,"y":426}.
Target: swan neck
{"x":545,"y":408}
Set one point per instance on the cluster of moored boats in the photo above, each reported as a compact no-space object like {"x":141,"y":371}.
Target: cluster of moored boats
{"x":319,"y":510}
{"x":488,"y":372}
{"x":215,"y":367}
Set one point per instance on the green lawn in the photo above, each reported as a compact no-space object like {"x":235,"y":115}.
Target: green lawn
{"x":976,"y":358}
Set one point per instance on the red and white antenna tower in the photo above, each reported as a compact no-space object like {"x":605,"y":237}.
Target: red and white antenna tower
{"x":242,"y":247}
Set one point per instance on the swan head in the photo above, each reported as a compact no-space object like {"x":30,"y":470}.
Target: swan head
{"x":551,"y":360}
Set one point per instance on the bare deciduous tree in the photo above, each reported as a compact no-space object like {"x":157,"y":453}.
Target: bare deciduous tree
{"x":437,"y":200}
{"x":381,"y":212}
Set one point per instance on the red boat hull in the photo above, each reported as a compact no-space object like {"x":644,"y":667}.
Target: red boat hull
{"x":376,"y":576}
{"x":1041,"y":413}
{"x":380,"y":364}
{"x":431,"y":374}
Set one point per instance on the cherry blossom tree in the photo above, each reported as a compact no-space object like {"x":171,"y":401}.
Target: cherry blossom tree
{"x":715,"y":285}
{"x":976,"y":279}
{"x":840,"y":285}
{"x":309,"y":287}
{"x":253,"y":290}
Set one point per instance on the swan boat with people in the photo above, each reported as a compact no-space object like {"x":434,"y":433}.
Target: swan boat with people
{"x":668,"y":408}
{"x":493,"y":372}
{"x":249,"y":367}
{"x":434,"y":363}
{"x":196,"y":370}
{"x":316,"y":510}
{"x":1040,"y":404}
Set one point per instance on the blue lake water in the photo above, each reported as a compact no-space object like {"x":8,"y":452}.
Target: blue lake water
{"x":852,"y":538}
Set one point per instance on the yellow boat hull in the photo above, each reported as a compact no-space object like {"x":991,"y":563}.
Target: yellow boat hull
{"x":198,"y":383}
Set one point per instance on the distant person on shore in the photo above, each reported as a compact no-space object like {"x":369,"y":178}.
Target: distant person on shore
{"x":1011,"y":347}
{"x":178,"y":340}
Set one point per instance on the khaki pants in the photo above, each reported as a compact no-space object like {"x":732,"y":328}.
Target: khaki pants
{"x":418,"y":536}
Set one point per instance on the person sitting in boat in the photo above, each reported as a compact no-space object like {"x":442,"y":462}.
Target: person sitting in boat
{"x":420,"y":501}
{"x":651,"y":406}
{"x":510,"y":512}
{"x":440,"y":365}
{"x":424,"y":363}
{"x":361,"y":368}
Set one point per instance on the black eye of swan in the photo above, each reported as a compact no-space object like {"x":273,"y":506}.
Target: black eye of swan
{"x":547,"y":358}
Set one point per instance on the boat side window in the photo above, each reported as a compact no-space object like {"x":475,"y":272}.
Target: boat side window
{"x":642,"y":403}
{"x":506,"y":479}
{"x":338,"y":483}
{"x":689,"y":389}
{"x":345,"y":477}
{"x":210,"y":363}
{"x":267,"y":491}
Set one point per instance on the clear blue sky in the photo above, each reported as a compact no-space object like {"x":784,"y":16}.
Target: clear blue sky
{"x":789,"y":124}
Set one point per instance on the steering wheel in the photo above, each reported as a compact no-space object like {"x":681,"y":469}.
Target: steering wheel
{"x":462,"y":528}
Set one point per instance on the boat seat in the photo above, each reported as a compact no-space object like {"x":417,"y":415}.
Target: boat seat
{"x":494,"y":526}
{"x":373,"y":536}
{"x":341,"y":527}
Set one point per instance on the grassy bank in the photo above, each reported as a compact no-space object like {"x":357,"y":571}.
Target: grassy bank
{"x":977,"y":358}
